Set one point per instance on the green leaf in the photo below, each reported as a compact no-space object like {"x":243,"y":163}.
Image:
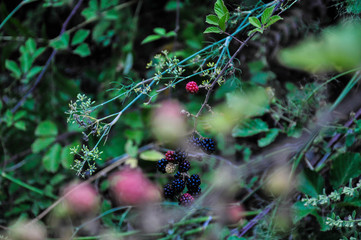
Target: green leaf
{"x":222,"y":23}
{"x":311,"y":183}
{"x":255,"y":30}
{"x":159,"y":31}
{"x":46,"y":128}
{"x":25,"y":62}
{"x":212,"y":19}
{"x":272,"y":20}
{"x":52,"y":158}
{"x":250,"y":128}
{"x":302,"y":211}
{"x":30,"y":45}
{"x":62,"y":42}
{"x":1,"y":105}
{"x":34,"y":71}
{"x":82,"y":50}
{"x":150,"y":38}
{"x":13,"y":67}
{"x":38,"y":52}
{"x":20,"y":125}
{"x":80,"y":36}
{"x":269,"y":138}
{"x":212,"y":30}
{"x":170,"y":34}
{"x":131,"y":149}
{"x":151,"y":155}
{"x":344,"y":167}
{"x":67,"y":158}
{"x":111,"y":14}
{"x":267,"y":14}
{"x":220,"y":9}
{"x":41,"y":143}
{"x":19,"y":115}
{"x":255,"y":22}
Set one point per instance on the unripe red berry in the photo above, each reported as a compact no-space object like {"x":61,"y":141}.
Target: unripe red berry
{"x":192,"y":87}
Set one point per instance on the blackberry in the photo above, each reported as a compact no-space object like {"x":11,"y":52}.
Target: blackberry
{"x":169,"y":156}
{"x":178,"y":185}
{"x":161,"y":165}
{"x":168,"y":191}
{"x":193,"y":182}
{"x":184,"y":166}
{"x":193,"y":142}
{"x":178,"y":175}
{"x":179,"y":156}
{"x":186,"y":199}
{"x":208,"y":145}
{"x":195,"y":192}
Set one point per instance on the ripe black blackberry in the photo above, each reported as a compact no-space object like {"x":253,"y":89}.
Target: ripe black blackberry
{"x":179,"y":156}
{"x":193,"y":183}
{"x":208,"y":145}
{"x":178,"y":185}
{"x":185,"y":199}
{"x":161,"y":165}
{"x":195,"y":192}
{"x":184,"y":166}
{"x":178,"y":175}
{"x":168,"y":191}
{"x":193,"y":142}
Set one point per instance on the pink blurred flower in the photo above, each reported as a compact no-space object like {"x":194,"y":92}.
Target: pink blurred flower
{"x":81,"y":197}
{"x":130,"y":186}
{"x":234,"y":213}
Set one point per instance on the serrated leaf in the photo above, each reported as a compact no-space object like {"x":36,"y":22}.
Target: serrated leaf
{"x":212,"y":30}
{"x":80,"y":36}
{"x":250,"y":128}
{"x":150,"y":38}
{"x":159,"y":31}
{"x":269,"y":138}
{"x":13,"y":67}
{"x":255,"y":22}
{"x":272,"y":20}
{"x":344,"y":167}
{"x":52,"y":158}
{"x":46,"y":128}
{"x":82,"y":50}
{"x":41,"y":143}
{"x":151,"y":155}
{"x":267,"y":14}
{"x":212,"y":19}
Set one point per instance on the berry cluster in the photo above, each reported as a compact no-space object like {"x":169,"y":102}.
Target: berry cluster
{"x":178,"y":158}
{"x":192,"y":87}
{"x":208,"y":145}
